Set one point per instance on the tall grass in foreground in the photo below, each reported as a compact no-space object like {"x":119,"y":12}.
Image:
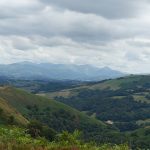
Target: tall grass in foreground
{"x":17,"y":139}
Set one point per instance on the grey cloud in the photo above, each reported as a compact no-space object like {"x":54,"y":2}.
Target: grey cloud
{"x":22,"y":43}
{"x":13,"y":9}
{"x":49,"y":21}
{"x":110,"y":32}
{"x":106,"y":8}
{"x":139,"y":43}
{"x":133,"y":56}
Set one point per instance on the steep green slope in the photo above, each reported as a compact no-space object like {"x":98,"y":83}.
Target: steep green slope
{"x":9,"y":115}
{"x":124,"y":101}
{"x":57,"y":115}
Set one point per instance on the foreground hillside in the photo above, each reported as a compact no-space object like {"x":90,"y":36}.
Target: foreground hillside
{"x":56,"y":115}
{"x":17,"y":139}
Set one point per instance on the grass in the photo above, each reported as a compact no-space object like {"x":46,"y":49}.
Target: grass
{"x":118,"y":97}
{"x":143,"y":122}
{"x":8,"y":111}
{"x":141,"y":98}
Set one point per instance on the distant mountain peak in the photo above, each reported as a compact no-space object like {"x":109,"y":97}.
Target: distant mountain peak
{"x":30,"y":70}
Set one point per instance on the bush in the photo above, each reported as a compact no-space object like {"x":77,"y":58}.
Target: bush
{"x":36,"y":129}
{"x":12,"y":138}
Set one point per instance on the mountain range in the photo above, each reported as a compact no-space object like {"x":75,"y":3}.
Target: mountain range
{"x":28,"y":70}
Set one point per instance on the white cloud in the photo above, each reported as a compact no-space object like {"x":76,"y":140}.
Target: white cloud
{"x":41,"y":31}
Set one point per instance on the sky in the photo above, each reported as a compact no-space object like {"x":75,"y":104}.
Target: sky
{"x":113,"y":33}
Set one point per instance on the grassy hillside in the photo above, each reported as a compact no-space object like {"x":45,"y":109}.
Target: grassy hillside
{"x":9,"y":115}
{"x":57,"y":115}
{"x":124,"y":101}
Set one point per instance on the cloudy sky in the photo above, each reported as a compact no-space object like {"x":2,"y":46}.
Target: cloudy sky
{"x":114,"y":33}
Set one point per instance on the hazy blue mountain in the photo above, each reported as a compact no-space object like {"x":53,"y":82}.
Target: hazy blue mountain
{"x":27,"y":70}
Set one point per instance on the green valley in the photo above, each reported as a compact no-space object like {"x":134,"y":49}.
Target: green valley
{"x":124,"y":101}
{"x":106,"y":112}
{"x":56,"y":115}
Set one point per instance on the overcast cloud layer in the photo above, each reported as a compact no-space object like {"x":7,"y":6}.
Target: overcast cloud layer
{"x":114,"y":33}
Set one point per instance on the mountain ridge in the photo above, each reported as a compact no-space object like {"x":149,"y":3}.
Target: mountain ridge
{"x":29,"y":70}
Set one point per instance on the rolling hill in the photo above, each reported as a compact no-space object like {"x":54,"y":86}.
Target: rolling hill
{"x":125,"y":101}
{"x":54,"y":114}
{"x":35,"y":86}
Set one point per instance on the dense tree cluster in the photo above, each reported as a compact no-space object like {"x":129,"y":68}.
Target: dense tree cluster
{"x":105,"y":106}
